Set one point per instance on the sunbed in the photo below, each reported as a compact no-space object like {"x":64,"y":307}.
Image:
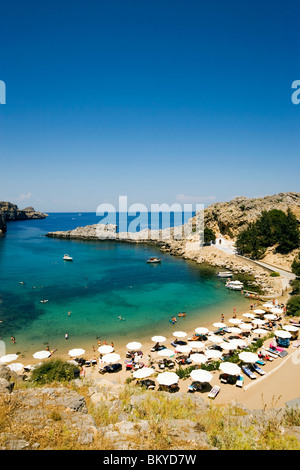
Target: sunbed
{"x":258,"y":369}
{"x":271,"y":353}
{"x":214,"y":392}
{"x":248,"y":372}
{"x":195,"y":386}
{"x":283,"y":353}
{"x":240,"y":381}
{"x":260,"y":362}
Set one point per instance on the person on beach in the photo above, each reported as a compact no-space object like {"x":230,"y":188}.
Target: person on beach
{"x":66,"y":336}
{"x":222,"y":318}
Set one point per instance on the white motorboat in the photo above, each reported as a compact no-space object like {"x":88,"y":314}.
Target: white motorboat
{"x":67,"y":258}
{"x":234,"y":285}
{"x":224,"y":274}
{"x":154,"y":260}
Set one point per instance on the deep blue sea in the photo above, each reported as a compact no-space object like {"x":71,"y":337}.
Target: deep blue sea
{"x":106,"y":280}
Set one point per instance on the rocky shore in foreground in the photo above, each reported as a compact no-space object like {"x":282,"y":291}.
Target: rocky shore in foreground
{"x":100,"y":414}
{"x":172,"y":241}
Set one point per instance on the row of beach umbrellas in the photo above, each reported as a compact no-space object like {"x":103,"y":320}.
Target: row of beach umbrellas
{"x":256,"y":325}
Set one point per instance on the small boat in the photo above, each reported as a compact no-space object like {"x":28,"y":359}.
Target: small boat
{"x":224,"y":274}
{"x":154,"y":260}
{"x":43,"y":301}
{"x":67,"y":258}
{"x":234,"y":285}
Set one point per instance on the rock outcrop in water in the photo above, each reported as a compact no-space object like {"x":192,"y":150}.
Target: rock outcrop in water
{"x":9,"y":212}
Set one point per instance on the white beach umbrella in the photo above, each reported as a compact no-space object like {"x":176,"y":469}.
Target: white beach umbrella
{"x":277,"y":310}
{"x":248,"y":357}
{"x":143,"y":373}
{"x":248,"y":315}
{"x":282,"y":334}
{"x":213,"y":354}
{"x":8,"y":358}
{"x":196,"y":344}
{"x":270,"y":316}
{"x":105,"y":349}
{"x":239,"y":342}
{"x":166,"y":352}
{"x":228,"y":346}
{"x":201,"y":375}
{"x":245,"y":326}
{"x":41,"y":354}
{"x":290,"y":328}
{"x":16,"y":367}
{"x":230,"y":368}
{"x":201,"y":330}
{"x":268,"y":305}
{"x":112,"y":357}
{"x":257,"y":321}
{"x":183,"y":348}
{"x":260,"y":331}
{"x":75,"y":352}
{"x":234,"y":329}
{"x":134,"y":345}
{"x":158,"y":339}
{"x":179,"y":334}
{"x":219,"y":325}
{"x":235,"y":321}
{"x":259,"y":311}
{"x":167,"y":378}
{"x":215,"y":339}
{"x":198,"y":358}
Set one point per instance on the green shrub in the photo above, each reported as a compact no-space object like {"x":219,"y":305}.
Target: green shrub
{"x":274,"y":227}
{"x":54,"y":370}
{"x":296,"y":266}
{"x":275,"y":274}
{"x":293,"y":306}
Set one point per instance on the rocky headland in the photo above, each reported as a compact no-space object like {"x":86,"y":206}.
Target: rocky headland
{"x":10,"y":212}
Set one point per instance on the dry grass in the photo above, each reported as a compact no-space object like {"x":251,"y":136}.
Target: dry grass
{"x":225,"y":427}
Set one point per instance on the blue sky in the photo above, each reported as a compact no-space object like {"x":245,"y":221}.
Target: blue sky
{"x":162,"y":101}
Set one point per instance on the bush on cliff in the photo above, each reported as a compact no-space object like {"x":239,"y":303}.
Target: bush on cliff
{"x":273,"y":228}
{"x":296,"y":266}
{"x":209,"y":236}
{"x":293,"y":306}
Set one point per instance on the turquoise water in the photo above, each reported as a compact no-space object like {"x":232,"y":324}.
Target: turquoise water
{"x":106,"y":280}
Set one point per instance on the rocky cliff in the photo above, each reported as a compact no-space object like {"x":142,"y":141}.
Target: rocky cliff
{"x":9,"y":212}
{"x":230,"y":218}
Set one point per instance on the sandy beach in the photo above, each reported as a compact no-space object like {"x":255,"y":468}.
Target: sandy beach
{"x":280,"y":384}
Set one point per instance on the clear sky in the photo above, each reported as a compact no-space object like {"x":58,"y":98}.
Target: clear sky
{"x":164,"y":101}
